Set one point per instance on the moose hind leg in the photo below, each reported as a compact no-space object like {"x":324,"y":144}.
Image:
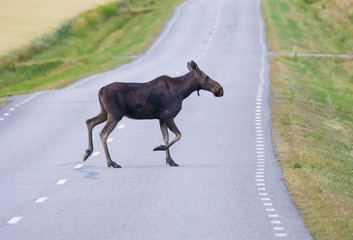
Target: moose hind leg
{"x":108,"y":128}
{"x":91,"y":123}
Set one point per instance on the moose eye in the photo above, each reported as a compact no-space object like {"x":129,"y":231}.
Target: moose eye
{"x":207,"y":78}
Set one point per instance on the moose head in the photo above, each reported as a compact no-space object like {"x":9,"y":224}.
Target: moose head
{"x":204,"y":81}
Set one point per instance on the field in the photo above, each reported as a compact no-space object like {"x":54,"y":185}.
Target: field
{"x":96,"y":40}
{"x":23,"y":21}
{"x":312,"y":109}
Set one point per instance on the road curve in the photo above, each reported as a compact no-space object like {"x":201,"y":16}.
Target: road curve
{"x":228,"y":185}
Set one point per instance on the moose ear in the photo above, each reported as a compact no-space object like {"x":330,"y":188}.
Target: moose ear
{"x":189,"y":67}
{"x":192,"y":66}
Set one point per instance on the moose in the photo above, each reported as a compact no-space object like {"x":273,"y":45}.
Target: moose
{"x":159,"y":99}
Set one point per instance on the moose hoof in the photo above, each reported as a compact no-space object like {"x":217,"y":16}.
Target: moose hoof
{"x":160,"y":148}
{"x":173,"y":164}
{"x":87,"y":154}
{"x":114,"y":165}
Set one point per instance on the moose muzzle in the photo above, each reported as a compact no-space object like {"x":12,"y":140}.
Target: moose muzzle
{"x":218,"y":91}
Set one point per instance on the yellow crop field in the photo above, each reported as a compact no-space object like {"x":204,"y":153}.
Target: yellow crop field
{"x":23,"y":21}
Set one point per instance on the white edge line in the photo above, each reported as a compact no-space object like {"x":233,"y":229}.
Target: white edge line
{"x":263,"y":48}
{"x":259,"y":95}
{"x":83,"y":81}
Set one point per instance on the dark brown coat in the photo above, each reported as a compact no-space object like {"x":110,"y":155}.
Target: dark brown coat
{"x":160,"y":99}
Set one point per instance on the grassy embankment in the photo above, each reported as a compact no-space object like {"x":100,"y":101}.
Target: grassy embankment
{"x":95,"y":41}
{"x":312,"y":109}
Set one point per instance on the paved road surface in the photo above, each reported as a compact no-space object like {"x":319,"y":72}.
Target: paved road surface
{"x":228,"y":185}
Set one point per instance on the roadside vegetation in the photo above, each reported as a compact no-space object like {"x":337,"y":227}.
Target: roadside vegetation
{"x":312,"y":109}
{"x":95,"y":41}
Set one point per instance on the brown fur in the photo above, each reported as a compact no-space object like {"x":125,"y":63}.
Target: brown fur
{"x":160,"y":99}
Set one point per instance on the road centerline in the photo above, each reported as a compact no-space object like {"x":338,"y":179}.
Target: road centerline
{"x":14,"y":220}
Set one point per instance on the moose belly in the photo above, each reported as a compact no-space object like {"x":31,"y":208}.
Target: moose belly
{"x":142,"y":111}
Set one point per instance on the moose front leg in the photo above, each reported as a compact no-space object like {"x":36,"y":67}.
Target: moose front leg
{"x":165,"y":134}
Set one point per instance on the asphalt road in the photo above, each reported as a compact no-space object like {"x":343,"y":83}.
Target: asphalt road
{"x":228,"y":185}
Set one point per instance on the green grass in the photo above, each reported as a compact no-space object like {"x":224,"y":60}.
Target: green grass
{"x":315,"y":142}
{"x":93,"y":42}
{"x":310,"y":26}
{"x":312,"y":110}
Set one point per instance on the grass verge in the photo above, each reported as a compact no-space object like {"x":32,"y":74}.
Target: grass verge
{"x":313,"y":26}
{"x":2,"y":103}
{"x":312,"y":110}
{"x":93,"y":42}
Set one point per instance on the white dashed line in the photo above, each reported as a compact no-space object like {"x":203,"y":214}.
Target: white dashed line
{"x":276,"y":222}
{"x":41,"y":200}
{"x":12,"y":109}
{"x":212,"y":33}
{"x":280,"y":234}
{"x":14,"y":220}
{"x":121,"y":126}
{"x":61,"y":182}
{"x":110,"y":140}
{"x":95,"y":154}
{"x":270,"y":209}
{"x":78,"y":166}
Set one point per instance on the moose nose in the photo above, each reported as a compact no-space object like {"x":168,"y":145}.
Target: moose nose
{"x":219,"y":92}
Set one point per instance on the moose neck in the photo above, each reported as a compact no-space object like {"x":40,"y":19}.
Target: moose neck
{"x":187,"y":84}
